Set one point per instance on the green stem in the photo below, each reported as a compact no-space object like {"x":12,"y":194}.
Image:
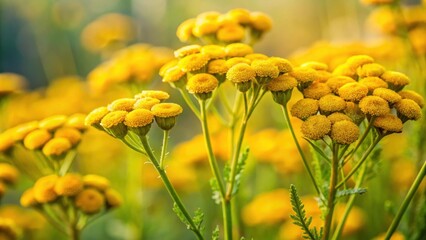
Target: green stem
{"x":361,"y":140}
{"x":349,"y":205}
{"x":66,"y":165}
{"x":227,"y":218}
{"x":164,"y":148}
{"x":332,"y":192}
{"x":302,"y":155}
{"x":361,"y":161}
{"x":170,"y":189}
{"x":190,"y":103}
{"x":406,"y":202}
{"x":212,"y":159}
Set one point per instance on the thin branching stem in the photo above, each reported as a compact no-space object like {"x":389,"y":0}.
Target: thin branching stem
{"x":332,"y":192}
{"x":164,"y":148}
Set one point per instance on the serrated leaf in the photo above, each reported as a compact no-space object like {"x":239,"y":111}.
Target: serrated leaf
{"x":215,"y":233}
{"x":240,"y":169}
{"x":215,"y":191}
{"x":198,"y":219}
{"x":351,"y":191}
{"x":180,"y":215}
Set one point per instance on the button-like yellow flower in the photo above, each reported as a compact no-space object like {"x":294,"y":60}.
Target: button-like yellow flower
{"x":37,"y":138}
{"x":239,"y":15}
{"x":353,"y":91}
{"x":304,"y":74}
{"x":95,"y":181}
{"x":344,"y":132}
{"x":373,"y":83}
{"x":72,"y":134}
{"x":258,"y":56}
{"x":8,"y":173}
{"x":336,"y":82}
{"x":53,"y":122}
{"x":217,"y":67}
{"x":165,"y":114}
{"x":304,"y":108}
{"x":409,"y":94}
{"x":315,"y":65}
{"x":260,"y":21}
{"x":283,"y":65}
{"x":235,"y":60}
{"x":122,"y":104}
{"x":387,"y":94}
{"x":89,"y":201}
{"x":242,"y":75}
{"x":316,"y":90}
{"x":388,"y":124}
{"x":238,"y":50}
{"x":230,"y":32}
{"x":265,"y":70}
{"x":202,"y":83}
{"x":139,"y":121}
{"x":184,"y":30}
{"x":145,"y":103}
{"x":44,"y":189}
{"x":56,"y":146}
{"x":370,"y":70}
{"x":213,"y":51}
{"x":175,"y":76}
{"x":77,"y":121}
{"x":344,"y":70}
{"x":113,"y":123}
{"x":331,"y":103}
{"x":193,"y":62}
{"x":6,"y":141}
{"x":187,"y":50}
{"x":316,"y":127}
{"x":396,"y":80}
{"x":94,"y":118}
{"x":282,"y":83}
{"x":69,"y":185}
{"x":356,"y":61}
{"x":160,"y":95}
{"x":113,"y":198}
{"x":408,"y":110}
{"x":19,"y":132}
{"x":28,"y":199}
{"x":338,"y":116}
{"x":374,"y":106}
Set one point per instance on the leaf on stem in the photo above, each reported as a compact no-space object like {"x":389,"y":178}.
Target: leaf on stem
{"x":180,"y":215}
{"x":300,"y":219}
{"x":215,"y":191}
{"x":351,"y":191}
{"x":198,"y":219}
{"x":215,"y":233}
{"x":240,"y":169}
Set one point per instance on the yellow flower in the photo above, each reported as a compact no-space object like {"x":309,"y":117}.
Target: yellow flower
{"x":202,"y":83}
{"x":72,"y":134}
{"x":374,"y":106}
{"x":356,"y":61}
{"x":388,"y":124}
{"x":331,"y":103}
{"x":8,"y":173}
{"x":173,"y":74}
{"x":344,"y":132}
{"x":165,"y":110}
{"x":370,"y":70}
{"x":230,"y":33}
{"x":167,"y":66}
{"x":304,"y":74}
{"x":36,"y":139}
{"x":69,"y":185}
{"x":396,"y":80}
{"x":90,"y":201}
{"x":409,"y":94}
{"x":184,"y":30}
{"x":77,"y":121}
{"x":283,"y":83}
{"x":316,"y":90}
{"x":344,"y":70}
{"x":193,"y":62}
{"x":387,"y":94}
{"x":187,"y":50}
{"x":258,"y":56}
{"x":113,"y":198}
{"x":160,"y":95}
{"x":283,"y":65}
{"x":260,"y":21}
{"x":235,"y":60}
{"x":56,"y":146}
{"x":408,"y":110}
{"x":206,"y":23}
{"x":353,"y":91}
{"x":122,"y":104}
{"x":28,"y":198}
{"x":139,"y":118}
{"x":95,"y":181}
{"x":239,"y":15}
{"x":53,"y":122}
{"x":10,"y":83}
{"x":241,"y":72}
{"x":338,"y":116}
{"x":238,"y":50}
{"x":213,"y":51}
{"x":265,"y":70}
{"x":304,"y":108}
{"x":373,"y":83}
{"x":217,"y":66}
{"x":19,"y":132}
{"x":44,"y":189}
{"x":95,"y":116}
{"x":336,"y":82}
{"x":145,"y":103}
{"x":315,"y":65}
{"x":6,"y":141}
{"x":113,"y":119}
{"x":316,"y":127}
{"x":8,"y":229}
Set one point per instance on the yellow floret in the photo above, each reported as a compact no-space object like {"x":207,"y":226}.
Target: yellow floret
{"x":241,"y":72}
{"x":217,"y":66}
{"x":239,"y":15}
{"x":304,"y":108}
{"x":90,"y":201}
{"x":44,"y":189}
{"x":331,"y":103}
{"x":202,"y":83}
{"x":76,"y":121}
{"x":6,"y":141}
{"x":213,"y":51}
{"x":28,"y":199}
{"x":284,"y":65}
{"x":304,"y":74}
{"x":96,"y":115}
{"x":193,"y":62}
{"x":370,"y":70}
{"x":56,"y":146}
{"x":187,"y":50}
{"x":69,"y":185}
{"x":396,"y":80}
{"x":95,"y":181}
{"x":160,"y":95}
{"x":316,"y":127}
{"x":344,"y":70}
{"x":344,"y":132}
{"x":260,"y":21}
{"x":72,"y":134}
{"x":338,"y":116}
{"x":387,"y":94}
{"x":373,"y":83}
{"x":145,"y":103}
{"x":139,"y":118}
{"x":315,"y":65}
{"x":316,"y":90}
{"x":283,"y":82}
{"x":235,"y":60}
{"x":165,"y":110}
{"x":388,"y":123}
{"x":374,"y":106}
{"x":113,"y":119}
{"x":265,"y":69}
{"x":238,"y":50}
{"x":409,"y":94}
{"x":184,"y":30}
{"x":113,"y":198}
{"x":353,"y":91}
{"x":358,"y":60}
{"x":173,"y":74}
{"x":229,"y":33}
{"x":19,"y":132}
{"x":122,"y":104}
{"x":37,"y":138}
{"x":53,"y":122}
{"x":408,"y":110}
{"x":8,"y":173}
{"x":336,"y":82}
{"x":257,"y":56}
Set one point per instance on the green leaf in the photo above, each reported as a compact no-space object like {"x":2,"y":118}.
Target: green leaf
{"x":350,"y":191}
{"x":180,"y":215}
{"x":198,"y":219}
{"x":215,"y":191}
{"x":300,"y":219}
{"x":240,"y":169}
{"x":215,"y":234}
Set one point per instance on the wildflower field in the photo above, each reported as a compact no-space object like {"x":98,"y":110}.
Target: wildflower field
{"x":168,"y":119}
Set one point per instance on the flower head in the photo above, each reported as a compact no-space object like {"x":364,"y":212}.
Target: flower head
{"x":69,"y":185}
{"x":304,"y":108}
{"x":304,"y":74}
{"x":316,"y":127}
{"x":283,"y":65}
{"x":217,"y":66}
{"x":387,"y":94}
{"x":315,"y":65}
{"x":139,"y":121}
{"x":187,"y":50}
{"x":338,"y":116}
{"x":95,"y":116}
{"x":409,"y":94}
{"x":53,"y":122}
{"x":242,"y":75}
{"x":344,"y":70}
{"x":344,"y":132}
{"x":370,"y":70}
{"x":113,"y":198}
{"x":396,"y":80}
{"x":8,"y":173}
{"x":331,"y":103}
{"x":353,"y":91}
{"x":336,"y":82}
{"x":56,"y":146}
{"x":235,"y":60}
{"x":89,"y":201}
{"x":165,"y":114}
{"x":77,"y":121}
{"x":193,"y":62}
{"x":265,"y":70}
{"x":19,"y":132}
{"x":213,"y":51}
{"x":6,"y":141}
{"x":184,"y":30}
{"x":231,"y":32}
{"x":238,"y":50}
{"x":408,"y":110}
{"x":44,"y":189}
{"x":388,"y":124}
{"x":316,"y":90}
{"x":257,"y":56}
{"x":260,"y":21}
{"x":239,"y":15}
{"x":122,"y":104}
{"x":374,"y":106}
{"x":202,"y":83}
{"x":97,"y":182}
{"x":173,"y":74}
{"x":72,"y":134}
{"x":283,"y":83}
{"x":373,"y":83}
{"x":28,"y":198}
{"x":358,"y":60}
{"x":160,"y":95}
{"x":37,"y":138}
{"x":145,"y":103}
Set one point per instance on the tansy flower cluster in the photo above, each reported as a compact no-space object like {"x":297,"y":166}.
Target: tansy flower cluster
{"x":8,"y":176}
{"x":134,"y":66}
{"x":201,"y":69}
{"x":50,"y":139}
{"x":335,"y":105}
{"x":234,"y":26}
{"x":89,"y":194}
{"x":135,"y":114}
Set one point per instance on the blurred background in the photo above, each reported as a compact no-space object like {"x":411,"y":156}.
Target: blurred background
{"x":57,"y":45}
